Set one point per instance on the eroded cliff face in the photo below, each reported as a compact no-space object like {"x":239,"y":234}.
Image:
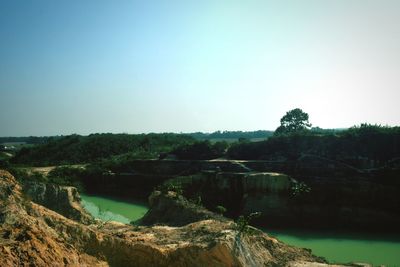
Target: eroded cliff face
{"x":367,"y":202}
{"x":242,"y":193}
{"x":61,"y":199}
{"x":32,"y":235}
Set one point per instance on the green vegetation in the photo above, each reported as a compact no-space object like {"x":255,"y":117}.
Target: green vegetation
{"x":243,"y":222}
{"x":232,"y":135}
{"x":23,"y":176}
{"x":365,"y":142}
{"x":66,"y":176}
{"x":220,"y":209}
{"x":293,"y":139}
{"x":295,"y":121}
{"x":76,"y":149}
{"x":378,"y":143}
{"x":201,"y":150}
{"x":33,"y":140}
{"x":4,"y":160}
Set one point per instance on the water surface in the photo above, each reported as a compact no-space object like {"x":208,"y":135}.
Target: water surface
{"x":111,"y":209}
{"x":341,"y":247}
{"x":335,"y":247}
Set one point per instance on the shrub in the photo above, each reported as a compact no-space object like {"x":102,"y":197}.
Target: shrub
{"x":220,"y":209}
{"x":242,"y":223}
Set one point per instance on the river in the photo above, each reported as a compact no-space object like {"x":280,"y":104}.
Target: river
{"x":336,"y":247}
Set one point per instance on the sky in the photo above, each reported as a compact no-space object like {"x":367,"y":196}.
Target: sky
{"x":92,"y":66}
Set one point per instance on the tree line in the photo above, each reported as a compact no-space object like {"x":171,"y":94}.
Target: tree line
{"x":293,"y":138}
{"x":75,"y":149}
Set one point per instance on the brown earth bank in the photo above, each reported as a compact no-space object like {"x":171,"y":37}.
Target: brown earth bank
{"x":33,"y":235}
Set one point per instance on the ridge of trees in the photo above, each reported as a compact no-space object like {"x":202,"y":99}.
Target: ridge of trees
{"x":75,"y":149}
{"x":293,"y":138}
{"x":366,"y":141}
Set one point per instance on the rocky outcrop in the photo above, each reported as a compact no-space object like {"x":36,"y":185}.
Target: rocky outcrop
{"x":361,"y":202}
{"x":241,"y":193}
{"x":61,"y":199}
{"x":33,"y":235}
{"x":30,"y":234}
{"x":173,"y":209}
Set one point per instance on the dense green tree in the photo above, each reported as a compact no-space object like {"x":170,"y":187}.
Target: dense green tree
{"x":294,"y":121}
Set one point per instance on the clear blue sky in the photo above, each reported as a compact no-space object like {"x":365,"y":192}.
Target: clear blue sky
{"x":182,"y":66}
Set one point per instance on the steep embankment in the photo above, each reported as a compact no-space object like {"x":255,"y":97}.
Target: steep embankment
{"x":340,"y":196}
{"x":319,"y":202}
{"x":31,"y":234}
{"x":61,"y":199}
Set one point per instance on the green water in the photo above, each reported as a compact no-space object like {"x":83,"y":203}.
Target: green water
{"x":335,"y":247}
{"x":346,"y":247}
{"x":109,"y":209}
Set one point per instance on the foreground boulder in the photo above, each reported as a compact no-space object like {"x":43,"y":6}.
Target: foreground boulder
{"x":33,"y":235}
